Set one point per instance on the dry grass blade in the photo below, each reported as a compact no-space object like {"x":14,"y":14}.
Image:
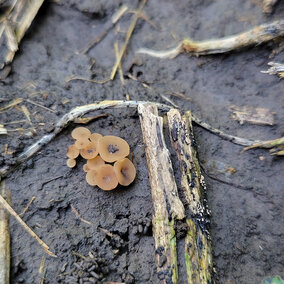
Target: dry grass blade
{"x":275,"y":69}
{"x":116,"y":49}
{"x":6,"y":205}
{"x":12,"y":104}
{"x":128,"y":36}
{"x":78,"y":215}
{"x":256,"y":36}
{"x":4,"y":241}
{"x":115,"y":18}
{"x":3,"y":130}
{"x":266,"y":144}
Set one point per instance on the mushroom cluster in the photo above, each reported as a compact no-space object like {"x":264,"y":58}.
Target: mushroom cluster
{"x":107,"y":165}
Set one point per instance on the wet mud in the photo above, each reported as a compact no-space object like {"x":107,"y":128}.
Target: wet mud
{"x":116,"y":243}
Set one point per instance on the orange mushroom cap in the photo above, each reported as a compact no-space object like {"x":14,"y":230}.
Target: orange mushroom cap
{"x":95,"y":137}
{"x":82,"y":143}
{"x":125,"y":171}
{"x":112,"y":148}
{"x":86,"y":168}
{"x":91,"y":177}
{"x":72,"y":152}
{"x":71,"y":163}
{"x":81,"y":133}
{"x":89,"y":152}
{"x":106,"y":178}
{"x":95,"y":163}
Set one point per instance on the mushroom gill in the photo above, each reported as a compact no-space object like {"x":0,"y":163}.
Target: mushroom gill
{"x":95,"y":162}
{"x":112,"y":148}
{"x":106,"y":178}
{"x":125,"y":171}
{"x":72,"y":152}
{"x":81,"y":133}
{"x":71,"y":163}
{"x":89,"y":151}
{"x":91,"y":177}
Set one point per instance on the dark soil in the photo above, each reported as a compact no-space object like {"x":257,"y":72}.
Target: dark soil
{"x":246,"y":227}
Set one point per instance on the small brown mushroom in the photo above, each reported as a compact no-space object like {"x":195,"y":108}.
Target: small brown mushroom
{"x":95,"y":137}
{"x":106,"y":178}
{"x":95,"y":163}
{"x":72,"y":152}
{"x":71,"y":163}
{"x":81,"y":133}
{"x":89,"y":152}
{"x":82,"y":143}
{"x":125,"y":171}
{"x":91,"y":177}
{"x":112,"y":148}
{"x":86,"y":168}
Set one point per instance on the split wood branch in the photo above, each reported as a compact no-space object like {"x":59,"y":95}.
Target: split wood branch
{"x":13,"y":27}
{"x":256,"y":36}
{"x":4,"y":240}
{"x":198,"y":258}
{"x":275,"y":69}
{"x":167,"y":206}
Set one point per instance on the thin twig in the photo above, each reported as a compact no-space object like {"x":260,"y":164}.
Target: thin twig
{"x":128,"y":36}
{"x":116,"y":49}
{"x":256,"y":36}
{"x":27,"y":207}
{"x":231,"y":138}
{"x":4,"y":241}
{"x":108,"y":26}
{"x":266,"y":144}
{"x":6,"y":205}
{"x":78,"y":215}
{"x":73,"y":78}
{"x":39,"y":105}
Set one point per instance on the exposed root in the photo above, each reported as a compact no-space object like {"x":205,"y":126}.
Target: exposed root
{"x":256,"y":36}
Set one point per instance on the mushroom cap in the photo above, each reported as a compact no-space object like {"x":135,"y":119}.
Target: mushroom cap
{"x":72,"y":152}
{"x":106,"y":178}
{"x":125,"y":171}
{"x":71,"y":163}
{"x":80,"y":133}
{"x":89,"y":152}
{"x":91,"y":177}
{"x":86,"y":168}
{"x":95,"y":137}
{"x":95,"y":163}
{"x":82,"y":143}
{"x":112,"y":148}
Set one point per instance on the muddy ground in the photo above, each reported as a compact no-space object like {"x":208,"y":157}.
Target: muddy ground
{"x":247,"y":216}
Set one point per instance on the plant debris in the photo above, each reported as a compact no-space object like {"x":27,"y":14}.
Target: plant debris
{"x":246,"y":114}
{"x":256,"y":36}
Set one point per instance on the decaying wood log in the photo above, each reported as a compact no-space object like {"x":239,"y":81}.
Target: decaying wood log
{"x":256,"y":36}
{"x":13,"y":26}
{"x":198,"y":255}
{"x":166,"y":203}
{"x":4,"y":241}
